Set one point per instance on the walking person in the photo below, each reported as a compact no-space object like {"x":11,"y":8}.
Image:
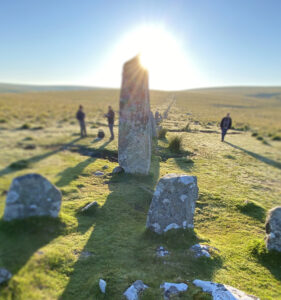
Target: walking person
{"x":225,"y":125}
{"x":110,"y":118}
{"x":80,"y":116}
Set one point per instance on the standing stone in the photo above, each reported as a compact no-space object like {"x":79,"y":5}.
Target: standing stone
{"x":134,"y":149}
{"x":273,"y":229}
{"x":153,"y":125}
{"x":32,"y":195}
{"x":173,"y":203}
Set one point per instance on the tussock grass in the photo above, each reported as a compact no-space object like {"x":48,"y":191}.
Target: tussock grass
{"x":175,"y":144}
{"x":162,"y":133}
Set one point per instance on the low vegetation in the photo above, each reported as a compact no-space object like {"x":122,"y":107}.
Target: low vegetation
{"x":64,"y":258}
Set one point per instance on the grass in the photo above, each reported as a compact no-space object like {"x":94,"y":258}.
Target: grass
{"x":239,"y":181}
{"x":175,"y":144}
{"x":162,"y":133}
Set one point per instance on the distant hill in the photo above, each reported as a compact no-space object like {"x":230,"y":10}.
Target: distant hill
{"x":22,"y":88}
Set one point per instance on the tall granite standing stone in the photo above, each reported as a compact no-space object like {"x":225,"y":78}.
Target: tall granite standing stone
{"x":173,"y":203}
{"x":134,"y":149}
{"x":273,"y":229}
{"x":32,"y":195}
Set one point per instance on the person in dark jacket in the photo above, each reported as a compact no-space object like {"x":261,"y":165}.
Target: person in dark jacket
{"x":225,"y":125}
{"x":110,"y":118}
{"x":80,"y":116}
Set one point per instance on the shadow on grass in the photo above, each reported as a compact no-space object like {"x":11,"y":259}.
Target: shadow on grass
{"x":259,"y":157}
{"x":253,"y":210}
{"x":269,"y":259}
{"x":25,"y":163}
{"x":19,"y":239}
{"x":72,"y":173}
{"x":122,"y":250}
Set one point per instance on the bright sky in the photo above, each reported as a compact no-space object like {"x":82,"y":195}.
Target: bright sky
{"x":185,"y":44}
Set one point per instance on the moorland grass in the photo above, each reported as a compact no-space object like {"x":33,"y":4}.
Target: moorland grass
{"x":239,"y":181}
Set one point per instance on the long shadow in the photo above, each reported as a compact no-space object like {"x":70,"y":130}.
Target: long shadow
{"x":259,"y":157}
{"x":120,"y":250}
{"x":24,"y":163}
{"x":19,"y":241}
{"x":71,"y":173}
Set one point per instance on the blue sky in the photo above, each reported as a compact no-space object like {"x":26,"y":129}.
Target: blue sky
{"x":226,"y":42}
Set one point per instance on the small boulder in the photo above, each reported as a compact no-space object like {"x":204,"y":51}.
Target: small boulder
{"x":32,"y":195}
{"x":273,"y":229}
{"x":222,"y":291}
{"x":99,"y":173}
{"x":117,"y":170}
{"x":5,"y":275}
{"x":161,"y":252}
{"x":200,"y":250}
{"x":173,"y":288}
{"x":90,"y":205}
{"x":105,"y":167}
{"x":102,"y":285}
{"x":132,"y":293}
{"x":173,"y":203}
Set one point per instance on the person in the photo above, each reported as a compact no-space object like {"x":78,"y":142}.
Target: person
{"x":80,"y":116}
{"x":225,"y":125}
{"x":110,"y":118}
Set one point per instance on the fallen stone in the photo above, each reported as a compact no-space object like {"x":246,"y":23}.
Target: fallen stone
{"x":117,"y":170}
{"x":273,"y":229}
{"x":102,"y":285}
{"x":134,"y":145}
{"x":88,"y":206}
{"x":173,"y":289}
{"x":173,"y":203}
{"x":99,"y":173}
{"x":200,"y":250}
{"x":132,"y":293}
{"x":5,"y":275}
{"x":161,"y":252}
{"x":222,"y":291}
{"x":32,"y":195}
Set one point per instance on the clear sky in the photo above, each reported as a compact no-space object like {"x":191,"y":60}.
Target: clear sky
{"x":85,"y":42}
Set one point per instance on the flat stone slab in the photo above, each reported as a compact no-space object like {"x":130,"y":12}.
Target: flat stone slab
{"x":173,"y":203}
{"x":222,"y":291}
{"x":32,"y":195}
{"x":132,"y":293}
{"x":273,"y":229}
{"x":173,"y":289}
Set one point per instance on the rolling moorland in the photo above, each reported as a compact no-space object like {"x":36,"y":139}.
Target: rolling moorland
{"x":239,"y":181}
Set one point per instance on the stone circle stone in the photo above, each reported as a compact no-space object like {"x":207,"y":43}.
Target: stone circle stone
{"x":32,"y":195}
{"x":134,"y":144}
{"x":173,"y":203}
{"x":222,"y":291}
{"x":273,"y":229}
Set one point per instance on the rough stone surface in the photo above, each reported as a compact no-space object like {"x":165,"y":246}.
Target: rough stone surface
{"x":200,"y":250}
{"x":273,"y":229}
{"x":161,"y":252}
{"x":32,"y":195}
{"x":173,"y":203}
{"x":173,"y":288}
{"x":117,"y":170}
{"x":102,"y":285}
{"x":88,"y":206}
{"x":132,"y":293}
{"x":222,"y":292}
{"x":5,"y":275}
{"x":99,"y":173}
{"x":134,"y":145}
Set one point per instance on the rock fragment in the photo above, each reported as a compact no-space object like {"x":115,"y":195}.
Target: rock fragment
{"x":222,"y":291}
{"x":273,"y":229}
{"x":132,"y":293}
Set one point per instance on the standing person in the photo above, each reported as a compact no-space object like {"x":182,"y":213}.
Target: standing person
{"x":225,"y":125}
{"x":110,"y":118}
{"x":80,"y":116}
